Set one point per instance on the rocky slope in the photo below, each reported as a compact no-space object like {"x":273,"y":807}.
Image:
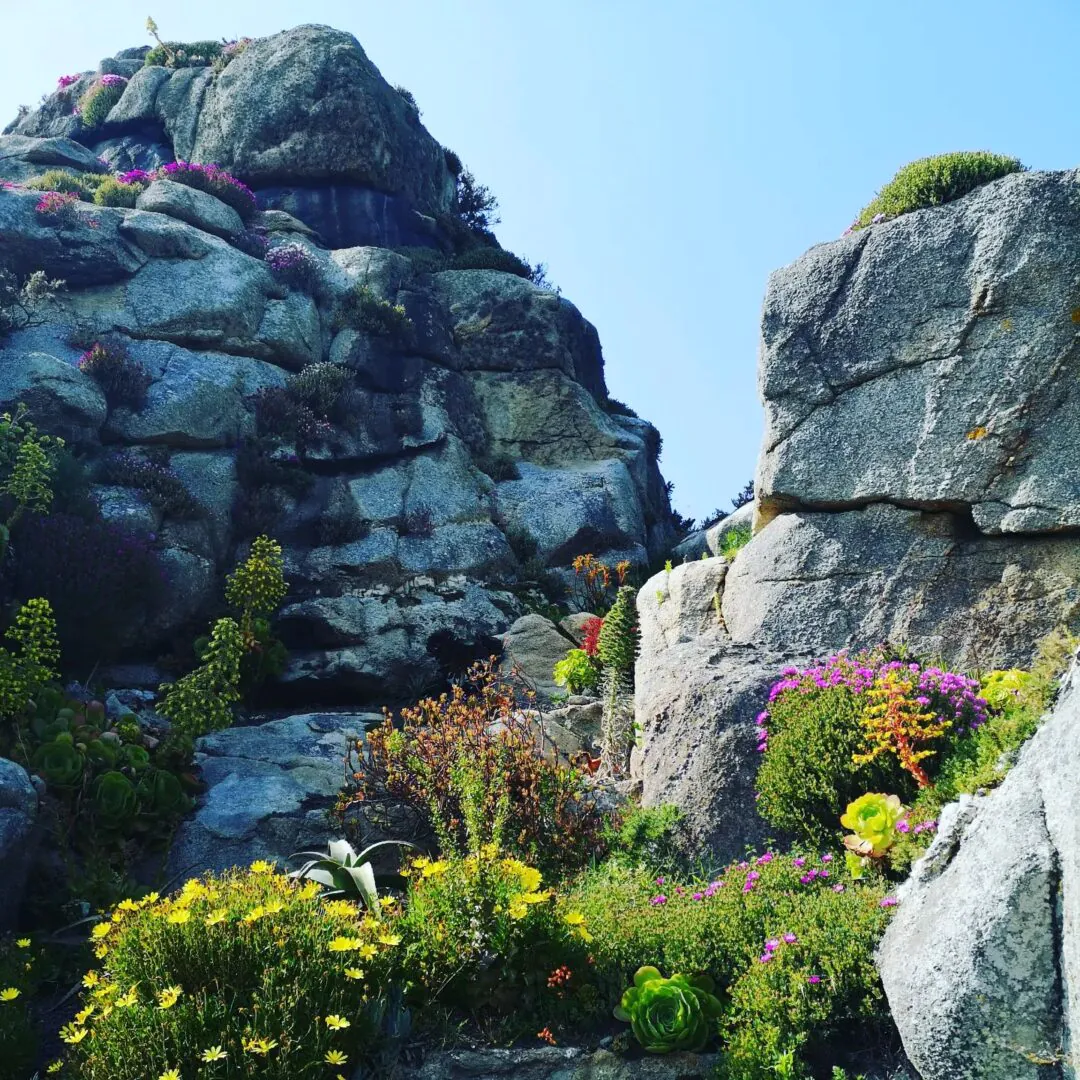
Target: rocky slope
{"x":478,"y":450}
{"x":918,"y":480}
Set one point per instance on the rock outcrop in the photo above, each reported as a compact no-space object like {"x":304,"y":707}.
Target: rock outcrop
{"x":473,"y":452}
{"x":918,"y":480}
{"x":981,"y":963}
{"x":18,"y":816}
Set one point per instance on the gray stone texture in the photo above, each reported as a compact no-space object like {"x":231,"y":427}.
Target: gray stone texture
{"x":18,"y":814}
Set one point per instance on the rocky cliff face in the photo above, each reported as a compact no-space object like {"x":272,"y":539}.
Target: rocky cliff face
{"x":474,"y":449}
{"x":918,"y":480}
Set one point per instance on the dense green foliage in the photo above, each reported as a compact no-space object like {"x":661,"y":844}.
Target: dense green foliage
{"x":931,"y":181}
{"x":363,"y":309}
{"x":735,"y":540}
{"x":577,"y":671}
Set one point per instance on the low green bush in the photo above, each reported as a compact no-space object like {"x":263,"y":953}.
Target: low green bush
{"x":85,"y":185}
{"x":181,"y":54}
{"x":363,"y":309}
{"x":577,"y":671}
{"x":425,"y":260}
{"x":111,"y":192}
{"x":648,"y":838}
{"x":491,"y":258}
{"x":931,"y":181}
{"x":98,"y":101}
{"x":735,"y":540}
{"x":788,"y":940}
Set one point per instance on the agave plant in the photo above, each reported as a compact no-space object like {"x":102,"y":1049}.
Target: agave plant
{"x":343,"y":871}
{"x":679,"y":1013}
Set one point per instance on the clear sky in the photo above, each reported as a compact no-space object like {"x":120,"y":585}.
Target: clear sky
{"x":662,"y":158}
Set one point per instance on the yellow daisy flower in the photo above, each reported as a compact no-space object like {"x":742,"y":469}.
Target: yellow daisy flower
{"x":535,"y":897}
{"x":261,"y":866}
{"x":574,"y":918}
{"x":390,"y":939}
{"x":125,"y":1001}
{"x":367,"y":951}
{"x":310,"y":891}
{"x":489,"y":851}
{"x":128,"y":905}
{"x":335,"y":1057}
{"x":517,"y":910}
{"x":83,"y":1014}
{"x":260,"y":1046}
{"x":274,"y":906}
{"x":215,"y":1053}
{"x":168,"y":997}
{"x":101,"y":950}
{"x":149,"y":898}
{"x":341,"y":907}
{"x":179,"y":916}
{"x":387,"y":902}
{"x":215,"y":917}
{"x":436,"y":868}
{"x":170,"y":1074}
{"x":345,"y":944}
{"x":54,"y":1066}
{"x":336,"y":1023}
{"x":255,"y":914}
{"x":9,"y":993}
{"x":23,"y":943}
{"x":72,"y":1034}
{"x":353,"y":973}
{"x":101,"y":930}
{"x":91,"y":979}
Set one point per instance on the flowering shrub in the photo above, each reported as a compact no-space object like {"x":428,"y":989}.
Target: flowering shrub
{"x":595,"y":580}
{"x":826,"y":730}
{"x":481,"y":933}
{"x":162,"y":487}
{"x":320,"y":387}
{"x":590,"y":640}
{"x":98,"y":100}
{"x":58,"y":207}
{"x":932,"y":181}
{"x":230,"y":50}
{"x":294,"y":265}
{"x":115,"y":191}
{"x":122,"y":380}
{"x":465,"y":768}
{"x":788,"y":939}
{"x":214,"y":180}
{"x":66,"y":80}
{"x":363,"y":309}
{"x":235,"y":974}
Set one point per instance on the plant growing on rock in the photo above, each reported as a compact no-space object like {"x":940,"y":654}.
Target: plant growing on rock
{"x":116,"y":191}
{"x":735,"y":540}
{"x":161,"y":486}
{"x":293,"y":264}
{"x":470,"y":760}
{"x":679,"y":1013}
{"x":616,"y":649}
{"x":58,"y":208}
{"x":83,"y":185}
{"x":363,"y":309}
{"x":932,"y":181}
{"x":22,"y":301}
{"x":27,"y":464}
{"x":214,"y":180}
{"x":872,"y":819}
{"x":123,"y":381}
{"x":476,"y":207}
{"x":98,"y":100}
{"x":577,"y":671}
{"x":595,"y":579}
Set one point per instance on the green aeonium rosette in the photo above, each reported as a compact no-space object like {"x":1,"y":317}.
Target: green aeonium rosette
{"x":679,"y":1013}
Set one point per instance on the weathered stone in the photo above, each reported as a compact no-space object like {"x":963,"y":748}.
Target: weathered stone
{"x":933,"y":357}
{"x":62,"y":399}
{"x":122,"y":153}
{"x":192,"y":206}
{"x":307,"y":106}
{"x":138,"y":103}
{"x":819,"y":581}
{"x":269,"y":787}
{"x":531,"y":649}
{"x":560,"y":1063}
{"x":195,"y":400}
{"x":981,"y":962}
{"x":18,"y":813}
{"x":48,"y":152}
{"x":164,"y":238}
{"x":696,"y":696}
{"x":90,"y":251}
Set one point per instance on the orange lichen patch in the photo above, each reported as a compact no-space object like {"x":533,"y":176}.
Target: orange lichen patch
{"x":977,"y":433}
{"x":1075,"y":315}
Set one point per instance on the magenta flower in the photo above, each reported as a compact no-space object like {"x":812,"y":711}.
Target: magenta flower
{"x":772,"y":945}
{"x":764,"y":958}
{"x":889,"y":901}
{"x":658,"y":900}
{"x":814,"y":980}
{"x":826,"y":858}
{"x":838,"y":888}
{"x":799,"y":862}
{"x":66,"y":80}
{"x":903,"y":826}
{"x":790,"y":938}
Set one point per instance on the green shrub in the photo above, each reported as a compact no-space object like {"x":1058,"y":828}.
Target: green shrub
{"x":181,"y":54}
{"x":491,"y":258}
{"x":320,"y":386}
{"x":245,"y":972}
{"x":808,"y":776}
{"x":931,"y":181}
{"x":19,"y":980}
{"x":482,"y":934}
{"x":735,"y":540}
{"x":22,"y":301}
{"x":817,"y":995}
{"x":85,"y":185}
{"x":98,"y":100}
{"x":577,"y":672}
{"x":453,"y":162}
{"x":363,"y":309}
{"x":110,"y":192}
{"x":425,"y":260}
{"x":648,"y":838}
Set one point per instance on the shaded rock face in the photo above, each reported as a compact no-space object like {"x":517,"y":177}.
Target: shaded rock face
{"x":18,"y":814}
{"x":981,"y":963}
{"x":560,"y":1063}
{"x":918,"y":481}
{"x":471,"y":448}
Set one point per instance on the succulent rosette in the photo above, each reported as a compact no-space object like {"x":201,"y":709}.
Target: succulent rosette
{"x":679,"y":1013}
{"x":872,"y":818}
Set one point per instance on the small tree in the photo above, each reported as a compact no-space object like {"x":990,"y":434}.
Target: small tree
{"x":476,"y":206}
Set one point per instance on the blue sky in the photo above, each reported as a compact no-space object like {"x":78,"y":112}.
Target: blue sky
{"x":663,"y":158}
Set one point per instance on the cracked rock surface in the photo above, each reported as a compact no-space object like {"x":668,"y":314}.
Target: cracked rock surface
{"x":981,"y":963}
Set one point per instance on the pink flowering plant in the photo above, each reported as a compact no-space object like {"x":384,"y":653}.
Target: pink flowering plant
{"x":293,"y":265}
{"x":214,"y":180}
{"x":57,"y":207}
{"x":788,"y":940}
{"x":826,"y":738}
{"x":99,"y":98}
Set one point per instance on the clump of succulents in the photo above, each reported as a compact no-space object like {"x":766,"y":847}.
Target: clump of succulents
{"x":679,"y":1013}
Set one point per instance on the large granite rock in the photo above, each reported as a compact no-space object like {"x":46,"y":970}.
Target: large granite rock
{"x":18,"y":814}
{"x":269,"y":788}
{"x":559,"y":1063}
{"x":307,"y":106}
{"x":531,"y":649}
{"x":981,"y":963}
{"x":195,"y":207}
{"x":929,"y":361}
